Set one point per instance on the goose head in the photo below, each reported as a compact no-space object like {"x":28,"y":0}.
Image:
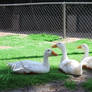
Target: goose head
{"x":50,"y":52}
{"x":84,"y":47}
{"x":59,"y":45}
{"x":62,"y":47}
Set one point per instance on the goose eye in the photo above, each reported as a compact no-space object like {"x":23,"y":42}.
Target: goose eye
{"x":48,"y":50}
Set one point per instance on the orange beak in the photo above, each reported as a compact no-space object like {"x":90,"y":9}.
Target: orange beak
{"x":79,"y":47}
{"x":54,"y":46}
{"x":53,"y":53}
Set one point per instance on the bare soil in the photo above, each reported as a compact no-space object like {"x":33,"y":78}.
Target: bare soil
{"x":5,"y":47}
{"x":68,"y":40}
{"x":57,"y":86}
{"x":7,"y":33}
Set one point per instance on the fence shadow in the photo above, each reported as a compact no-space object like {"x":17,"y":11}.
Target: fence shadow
{"x":27,"y":57}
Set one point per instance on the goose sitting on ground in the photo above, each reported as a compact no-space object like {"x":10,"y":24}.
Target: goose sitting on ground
{"x":86,"y":59}
{"x":28,"y":66}
{"x":67,"y":65}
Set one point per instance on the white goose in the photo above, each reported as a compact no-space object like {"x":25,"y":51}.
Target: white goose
{"x":86,"y":59}
{"x":28,"y":66}
{"x":67,"y":65}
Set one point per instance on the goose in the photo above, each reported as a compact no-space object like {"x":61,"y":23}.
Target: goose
{"x":67,"y":65}
{"x":28,"y":66}
{"x":86,"y":58}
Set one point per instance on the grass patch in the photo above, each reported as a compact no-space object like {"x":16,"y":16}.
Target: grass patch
{"x":32,"y":47}
{"x":88,"y":85}
{"x":16,"y":40}
{"x":44,"y":37}
{"x":11,"y":80}
{"x":70,"y":85}
{"x":26,"y":48}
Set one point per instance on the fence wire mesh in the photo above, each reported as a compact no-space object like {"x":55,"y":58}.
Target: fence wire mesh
{"x":79,"y":20}
{"x":32,"y":19}
{"x":47,"y":18}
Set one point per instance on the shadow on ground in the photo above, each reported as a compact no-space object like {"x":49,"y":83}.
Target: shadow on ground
{"x":27,"y":57}
{"x":58,"y":86}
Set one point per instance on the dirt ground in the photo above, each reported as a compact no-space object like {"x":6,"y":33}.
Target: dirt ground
{"x":55,"y":86}
{"x":68,"y":40}
{"x":7,"y":33}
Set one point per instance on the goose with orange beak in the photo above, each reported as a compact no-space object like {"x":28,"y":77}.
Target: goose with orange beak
{"x":28,"y":66}
{"x":67,"y":65}
{"x":87,"y":60}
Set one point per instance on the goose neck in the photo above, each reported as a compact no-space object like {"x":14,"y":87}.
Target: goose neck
{"x":64,"y":53}
{"x":45,"y":61}
{"x":86,"y":53}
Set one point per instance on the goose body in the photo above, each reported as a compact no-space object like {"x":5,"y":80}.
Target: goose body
{"x":71,"y":67}
{"x":68,"y":65}
{"x":28,"y":66}
{"x":86,"y":59}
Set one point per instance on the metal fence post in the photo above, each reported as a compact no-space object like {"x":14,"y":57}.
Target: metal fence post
{"x":64,"y":19}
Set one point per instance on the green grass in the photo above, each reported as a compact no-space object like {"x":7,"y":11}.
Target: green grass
{"x":32,"y":47}
{"x":24,"y":48}
{"x":88,"y":85}
{"x":70,"y":85}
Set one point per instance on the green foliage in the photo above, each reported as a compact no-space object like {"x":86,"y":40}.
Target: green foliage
{"x":88,"y":85}
{"x":70,"y":85}
{"x":43,"y":37}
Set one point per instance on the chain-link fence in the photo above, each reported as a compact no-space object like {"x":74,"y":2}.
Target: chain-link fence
{"x":79,"y":20}
{"x":66,"y":19}
{"x":32,"y":18}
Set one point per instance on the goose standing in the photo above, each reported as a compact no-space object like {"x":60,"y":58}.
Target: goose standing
{"x":67,"y":65}
{"x":86,"y":59}
{"x":28,"y":66}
